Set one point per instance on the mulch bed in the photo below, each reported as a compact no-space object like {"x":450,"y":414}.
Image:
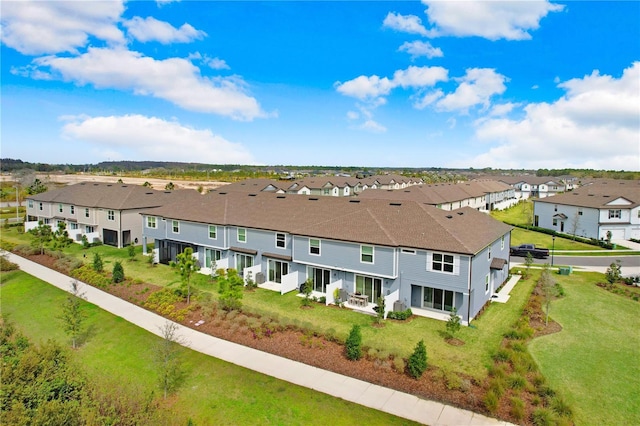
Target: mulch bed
{"x":317,"y":351}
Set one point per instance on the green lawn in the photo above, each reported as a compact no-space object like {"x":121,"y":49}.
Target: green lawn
{"x":593,"y":362}
{"x":520,"y":214}
{"x":398,"y":338}
{"x":215,"y":392}
{"x":525,"y":236}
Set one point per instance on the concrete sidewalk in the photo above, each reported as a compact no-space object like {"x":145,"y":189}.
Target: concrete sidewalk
{"x":380,"y":398}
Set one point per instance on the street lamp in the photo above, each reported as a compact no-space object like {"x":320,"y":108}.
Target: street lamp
{"x":553,"y":246}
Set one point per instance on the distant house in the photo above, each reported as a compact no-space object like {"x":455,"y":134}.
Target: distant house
{"x":539,"y":187}
{"x":593,"y":211}
{"x":411,"y":254}
{"x":107,"y":212}
{"x":480,"y":195}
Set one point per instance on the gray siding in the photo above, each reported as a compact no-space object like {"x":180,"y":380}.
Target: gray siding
{"x":345,"y":256}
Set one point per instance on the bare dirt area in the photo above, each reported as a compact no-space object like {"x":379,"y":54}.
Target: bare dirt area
{"x":158,"y":184}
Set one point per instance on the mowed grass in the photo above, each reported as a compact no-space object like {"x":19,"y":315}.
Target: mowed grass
{"x":525,"y":236}
{"x":396,"y":337}
{"x":215,"y":392}
{"x":593,"y":361}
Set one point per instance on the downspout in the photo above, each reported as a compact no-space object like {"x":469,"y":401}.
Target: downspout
{"x":469,"y":289}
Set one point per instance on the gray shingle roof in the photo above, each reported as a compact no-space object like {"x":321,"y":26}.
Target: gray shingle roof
{"x":115,"y":196}
{"x":376,"y":222}
{"x":598,"y":195}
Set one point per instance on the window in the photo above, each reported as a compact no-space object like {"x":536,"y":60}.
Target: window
{"x":73,"y":225}
{"x":281,"y":241}
{"x":555,"y":207}
{"x":372,"y":287}
{"x":502,"y":243}
{"x":489,"y":253}
{"x":435,"y":298}
{"x":211,"y":255}
{"x":40,"y":206}
{"x":325,"y":191}
{"x":213,"y":232}
{"x":579,"y":212}
{"x":175,"y":226}
{"x":555,"y":222}
{"x":277,"y":270}
{"x":111,"y":215}
{"x":615,"y":214}
{"x":30,"y":204}
{"x":47,"y":221}
{"x":152,"y":222}
{"x":486,"y":283}
{"x":242,"y":235}
{"x":314,"y":246}
{"x":366,"y":254}
{"x":89,"y":229}
{"x":321,"y":278}
{"x":243,"y":261}
{"x":60,"y":209}
{"x":86,"y":212}
{"x":442,"y":262}
{"x":72,"y":209}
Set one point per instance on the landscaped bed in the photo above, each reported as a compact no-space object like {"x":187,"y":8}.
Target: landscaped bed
{"x":289,"y":338}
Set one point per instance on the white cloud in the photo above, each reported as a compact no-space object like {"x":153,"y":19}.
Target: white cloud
{"x":217,"y":63}
{"x":421,"y":48}
{"x":475,"y":88}
{"x":502,"y":109}
{"x":176,"y":80}
{"x":364,"y":87}
{"x":596,"y":124}
{"x":373,"y":126}
{"x":511,"y":20}
{"x":138,"y":136}
{"x":419,"y":76}
{"x":150,"y":29}
{"x":405,"y":23}
{"x":161,"y":3}
{"x":40,"y":27}
{"x":352,"y":115}
{"x":428,"y":99}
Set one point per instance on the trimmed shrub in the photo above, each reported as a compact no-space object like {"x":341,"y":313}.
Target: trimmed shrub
{"x":517,"y":408}
{"x":117,"y":276}
{"x":353,"y":344}
{"x":97,"y":264}
{"x":417,"y":363}
{"x":543,"y":417}
{"x":491,"y":402}
{"x":400,"y":315}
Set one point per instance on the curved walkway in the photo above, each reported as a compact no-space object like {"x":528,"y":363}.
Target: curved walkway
{"x":380,"y":398}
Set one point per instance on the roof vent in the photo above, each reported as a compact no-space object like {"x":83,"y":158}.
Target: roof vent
{"x":313,"y":199}
{"x":449,"y":216}
{"x":149,"y":193}
{"x":222,"y":193}
{"x":395,"y":204}
{"x":281,"y":196}
{"x":606,"y":196}
{"x":109,"y":184}
{"x":252,"y":195}
{"x":590,"y":195}
{"x":167,"y":192}
{"x":354,"y":201}
{"x":95,"y":184}
{"x":460,"y":213}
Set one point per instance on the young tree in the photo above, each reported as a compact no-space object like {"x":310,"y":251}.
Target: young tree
{"x":614,"y":272}
{"x":167,"y":357}
{"x":353,"y":344}
{"x":37,"y":187}
{"x":548,"y":289}
{"x":73,"y":315}
{"x":230,"y":287}
{"x":187,"y":265}
{"x":169,"y":187}
{"x":131,"y":250}
{"x":307,"y":289}
{"x":117,"y":275}
{"x":97,"y":265}
{"x":453,"y":323}
{"x":528,"y":261}
{"x":41,"y":236}
{"x":417,"y":363}
{"x":61,"y":236}
{"x":380,"y":311}
{"x":575,"y":223}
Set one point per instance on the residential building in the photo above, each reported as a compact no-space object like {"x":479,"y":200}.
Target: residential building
{"x":593,"y":211}
{"x":411,"y":254}
{"x":107,"y":212}
{"x":539,"y":186}
{"x":482,"y":195}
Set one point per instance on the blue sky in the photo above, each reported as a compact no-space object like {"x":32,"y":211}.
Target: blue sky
{"x":516,"y":84}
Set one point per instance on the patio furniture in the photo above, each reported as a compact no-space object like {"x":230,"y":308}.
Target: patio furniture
{"x":358,"y":299}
